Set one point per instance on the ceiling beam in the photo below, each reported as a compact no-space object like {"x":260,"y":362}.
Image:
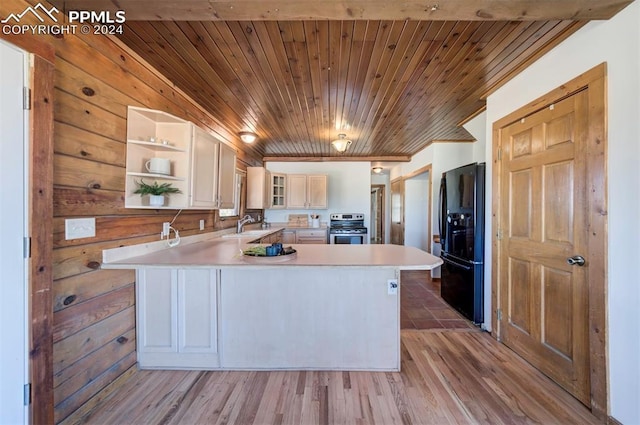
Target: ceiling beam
{"x":431,"y":10}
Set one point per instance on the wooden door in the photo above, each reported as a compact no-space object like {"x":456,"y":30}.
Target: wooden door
{"x":544,"y":300}
{"x":397,"y":212}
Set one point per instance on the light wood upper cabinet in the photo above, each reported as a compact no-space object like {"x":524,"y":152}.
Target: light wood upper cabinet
{"x":306,"y":191}
{"x":258,"y":188}
{"x":213,"y":172}
{"x":201,"y":166}
{"x":204,"y":170}
{"x":264,"y":189}
{"x":226,"y":177}
{"x":278,"y":190}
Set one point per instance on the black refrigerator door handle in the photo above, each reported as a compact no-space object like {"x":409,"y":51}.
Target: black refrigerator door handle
{"x":443,"y":205}
{"x":455,"y":263}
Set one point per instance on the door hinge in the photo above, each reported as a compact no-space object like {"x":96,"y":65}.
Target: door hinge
{"x":499,"y":234}
{"x":27,"y":394}
{"x":27,"y":247}
{"x":499,"y":154}
{"x":499,"y":314}
{"x":26,"y":98}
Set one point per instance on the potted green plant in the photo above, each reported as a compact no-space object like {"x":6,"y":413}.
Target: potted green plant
{"x":155,"y":191}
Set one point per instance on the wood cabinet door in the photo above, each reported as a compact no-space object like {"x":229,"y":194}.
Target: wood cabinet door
{"x":397,"y":212}
{"x":544,"y":299}
{"x":296,"y":191}
{"x":197,"y":311}
{"x":226,"y":177}
{"x":288,"y":236}
{"x":317,"y":192}
{"x":204,"y":170}
{"x":311,"y":236}
{"x":177,"y":323}
{"x":278,"y":191}
{"x":157,"y":314}
{"x":258,"y":188}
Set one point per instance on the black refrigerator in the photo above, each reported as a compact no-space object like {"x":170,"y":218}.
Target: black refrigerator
{"x":462,"y":239}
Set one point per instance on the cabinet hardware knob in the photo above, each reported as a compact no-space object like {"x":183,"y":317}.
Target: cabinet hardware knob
{"x":68,"y":300}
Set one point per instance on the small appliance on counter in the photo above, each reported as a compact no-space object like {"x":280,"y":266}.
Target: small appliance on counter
{"x":348,"y":228}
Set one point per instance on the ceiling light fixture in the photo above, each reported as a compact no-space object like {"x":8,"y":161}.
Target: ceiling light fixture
{"x":342,"y":143}
{"x":377,"y":170}
{"x":248,"y":137}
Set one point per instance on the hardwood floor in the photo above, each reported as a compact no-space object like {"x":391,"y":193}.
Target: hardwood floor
{"x":449,"y":376}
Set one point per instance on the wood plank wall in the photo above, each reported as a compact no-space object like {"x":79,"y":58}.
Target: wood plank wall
{"x":93,"y":309}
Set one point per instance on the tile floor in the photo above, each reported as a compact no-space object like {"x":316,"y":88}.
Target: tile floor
{"x":421,"y":306}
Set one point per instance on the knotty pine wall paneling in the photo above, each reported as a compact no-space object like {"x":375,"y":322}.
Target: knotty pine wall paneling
{"x":94,"y":339}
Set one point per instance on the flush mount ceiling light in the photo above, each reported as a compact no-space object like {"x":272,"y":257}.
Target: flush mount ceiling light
{"x":377,"y":170}
{"x":248,"y":137}
{"x":342,"y":143}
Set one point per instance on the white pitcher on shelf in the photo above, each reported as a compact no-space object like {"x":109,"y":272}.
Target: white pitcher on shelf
{"x":158,"y":166}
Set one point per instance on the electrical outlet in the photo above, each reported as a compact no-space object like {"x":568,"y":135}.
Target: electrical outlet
{"x":392,"y":286}
{"x":165,"y":229}
{"x":77,"y":228}
{"x":201,"y":224}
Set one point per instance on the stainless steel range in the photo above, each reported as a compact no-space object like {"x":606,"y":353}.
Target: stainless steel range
{"x":348,"y":228}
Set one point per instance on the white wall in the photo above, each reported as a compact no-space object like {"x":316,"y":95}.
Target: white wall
{"x":442,"y":157}
{"x":616,"y":42}
{"x":477,"y":127}
{"x":349,"y":187}
{"x":416,"y":201}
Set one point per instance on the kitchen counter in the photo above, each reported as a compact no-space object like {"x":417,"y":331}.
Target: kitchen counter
{"x":226,"y":252}
{"x":203,"y":305}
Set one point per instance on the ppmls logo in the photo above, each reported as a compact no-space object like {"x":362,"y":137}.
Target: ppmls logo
{"x":34,"y":11}
{"x":92,"y":22}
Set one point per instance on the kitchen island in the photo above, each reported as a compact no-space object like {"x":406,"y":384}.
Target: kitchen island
{"x":204,"y":305}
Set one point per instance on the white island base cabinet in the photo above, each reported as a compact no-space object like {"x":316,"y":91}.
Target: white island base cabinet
{"x":177,"y":318}
{"x":343,"y":318}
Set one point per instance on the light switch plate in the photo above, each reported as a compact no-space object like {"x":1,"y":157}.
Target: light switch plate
{"x":77,"y":228}
{"x":201,"y":224}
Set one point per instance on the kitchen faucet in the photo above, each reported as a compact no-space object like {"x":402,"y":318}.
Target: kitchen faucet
{"x":246,"y":219}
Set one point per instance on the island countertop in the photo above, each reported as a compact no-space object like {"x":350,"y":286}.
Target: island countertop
{"x":226,"y":252}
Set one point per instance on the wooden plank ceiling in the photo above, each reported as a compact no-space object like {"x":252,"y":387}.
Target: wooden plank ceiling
{"x":392,"y":86}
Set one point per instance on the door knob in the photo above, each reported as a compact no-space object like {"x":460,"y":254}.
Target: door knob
{"x":576,"y":260}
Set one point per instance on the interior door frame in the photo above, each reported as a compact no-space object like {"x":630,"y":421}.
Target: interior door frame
{"x":40,"y":200}
{"x":594,"y":81}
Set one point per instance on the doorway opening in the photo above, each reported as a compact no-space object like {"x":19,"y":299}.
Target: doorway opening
{"x":378,"y":201}
{"x":417,"y":211}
